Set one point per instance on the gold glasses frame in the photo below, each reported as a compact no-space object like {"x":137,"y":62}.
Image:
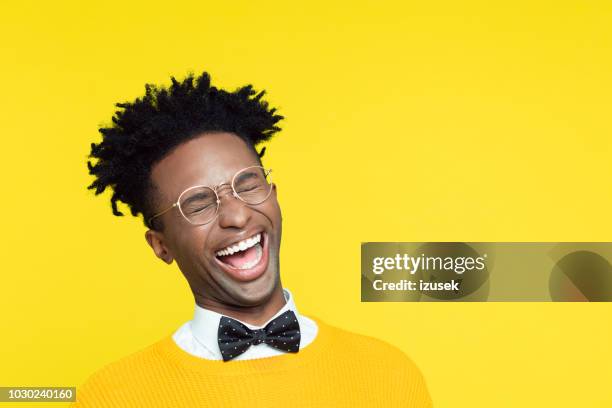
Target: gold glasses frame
{"x":177,"y":203}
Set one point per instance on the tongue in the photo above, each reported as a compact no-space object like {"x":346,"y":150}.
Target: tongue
{"x":240,"y":258}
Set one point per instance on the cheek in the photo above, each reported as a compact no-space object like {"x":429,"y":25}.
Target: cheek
{"x":277,"y":221}
{"x":190,"y":244}
{"x":273,"y":212}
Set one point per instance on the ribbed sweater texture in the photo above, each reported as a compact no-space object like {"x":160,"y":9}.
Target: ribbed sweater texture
{"x":338,"y":369}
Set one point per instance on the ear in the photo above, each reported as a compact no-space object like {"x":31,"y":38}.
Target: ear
{"x":157,"y":242}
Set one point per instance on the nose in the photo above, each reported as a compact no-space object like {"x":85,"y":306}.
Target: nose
{"x":232,"y":211}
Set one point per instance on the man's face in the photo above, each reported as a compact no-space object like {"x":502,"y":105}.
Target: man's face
{"x":210,"y":160}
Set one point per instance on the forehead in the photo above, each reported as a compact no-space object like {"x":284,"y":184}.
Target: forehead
{"x":209,"y":159}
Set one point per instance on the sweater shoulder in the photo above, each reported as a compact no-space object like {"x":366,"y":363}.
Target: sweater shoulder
{"x":382,"y":360}
{"x":373,"y":349}
{"x":119,"y":371}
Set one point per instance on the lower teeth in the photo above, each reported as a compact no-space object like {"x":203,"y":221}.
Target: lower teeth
{"x":255,"y":261}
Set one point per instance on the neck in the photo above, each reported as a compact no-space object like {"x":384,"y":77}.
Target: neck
{"x":256,"y":315}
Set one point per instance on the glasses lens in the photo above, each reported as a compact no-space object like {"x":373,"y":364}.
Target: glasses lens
{"x":253,"y":185}
{"x":199,"y":205}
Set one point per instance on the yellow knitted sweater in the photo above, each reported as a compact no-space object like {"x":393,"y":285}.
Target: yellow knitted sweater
{"x":338,"y":369}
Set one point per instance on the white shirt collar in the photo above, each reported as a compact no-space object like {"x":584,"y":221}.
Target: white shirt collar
{"x":205,"y":323}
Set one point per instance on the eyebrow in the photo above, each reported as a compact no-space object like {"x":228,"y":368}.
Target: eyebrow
{"x":198,"y":196}
{"x":246,"y":176}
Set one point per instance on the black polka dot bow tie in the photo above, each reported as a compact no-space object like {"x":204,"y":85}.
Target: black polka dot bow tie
{"x":282,"y":333}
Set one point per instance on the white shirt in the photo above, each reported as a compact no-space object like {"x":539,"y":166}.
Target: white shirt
{"x":199,"y":336}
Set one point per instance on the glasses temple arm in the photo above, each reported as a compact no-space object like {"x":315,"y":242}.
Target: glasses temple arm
{"x":162,"y":212}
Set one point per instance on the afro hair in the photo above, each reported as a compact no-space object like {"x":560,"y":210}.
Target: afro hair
{"x":146,"y":130}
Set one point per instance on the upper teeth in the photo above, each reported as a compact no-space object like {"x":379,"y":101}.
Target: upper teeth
{"x":240,"y":246}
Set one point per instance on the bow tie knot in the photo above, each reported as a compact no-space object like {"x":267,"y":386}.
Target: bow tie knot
{"x":282,"y":333}
{"x":259,"y":336}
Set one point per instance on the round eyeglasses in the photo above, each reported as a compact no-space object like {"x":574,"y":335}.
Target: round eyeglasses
{"x":199,"y":205}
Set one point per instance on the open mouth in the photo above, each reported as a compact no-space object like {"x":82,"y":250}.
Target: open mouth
{"x":245,"y":260}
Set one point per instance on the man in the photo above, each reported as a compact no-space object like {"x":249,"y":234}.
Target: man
{"x":185,"y":158}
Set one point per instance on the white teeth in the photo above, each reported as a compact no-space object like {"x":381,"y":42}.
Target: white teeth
{"x":240,"y":246}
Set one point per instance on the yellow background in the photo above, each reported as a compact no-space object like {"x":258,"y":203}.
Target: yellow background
{"x":405,"y":122}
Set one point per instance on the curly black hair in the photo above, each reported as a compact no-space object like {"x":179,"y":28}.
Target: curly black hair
{"x":147,"y":129}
